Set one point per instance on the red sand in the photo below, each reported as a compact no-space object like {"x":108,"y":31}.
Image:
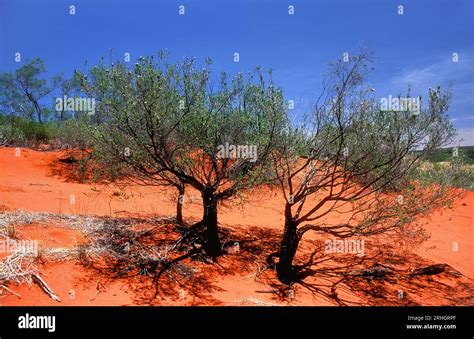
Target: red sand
{"x":36,"y":181}
{"x":51,"y":236}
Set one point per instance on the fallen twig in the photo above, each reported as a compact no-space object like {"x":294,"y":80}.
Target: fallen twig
{"x":9,"y":290}
{"x":45,"y":287}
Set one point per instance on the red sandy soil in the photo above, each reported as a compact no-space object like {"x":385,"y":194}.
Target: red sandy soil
{"x":50,"y":235}
{"x":37,"y":181}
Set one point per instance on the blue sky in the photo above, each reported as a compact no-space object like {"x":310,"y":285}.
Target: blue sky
{"x":414,"y":48}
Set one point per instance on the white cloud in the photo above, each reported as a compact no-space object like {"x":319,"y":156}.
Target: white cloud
{"x":444,"y":72}
{"x":465,"y":137}
{"x":458,"y":77}
{"x":470,"y":117}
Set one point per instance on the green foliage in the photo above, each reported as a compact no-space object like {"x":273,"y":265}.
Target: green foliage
{"x":172,"y":121}
{"x":466,"y":153}
{"x":22,"y":93}
{"x":19,"y":131}
{"x":75,"y":133}
{"x":449,"y":173}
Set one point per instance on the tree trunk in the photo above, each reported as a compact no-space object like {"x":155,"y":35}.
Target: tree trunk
{"x":38,"y":111}
{"x":213,"y":243}
{"x":288,"y":246}
{"x":179,"y":204}
{"x":40,"y":120}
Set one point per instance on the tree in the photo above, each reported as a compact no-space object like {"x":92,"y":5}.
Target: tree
{"x":352,"y":158}
{"x":22,"y":93}
{"x":164,"y":124}
{"x":66,"y":88}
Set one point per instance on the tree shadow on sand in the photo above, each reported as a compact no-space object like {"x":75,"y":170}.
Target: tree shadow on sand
{"x":72,"y":166}
{"x":383,"y":277}
{"x":160,"y":269}
{"x":150,"y":258}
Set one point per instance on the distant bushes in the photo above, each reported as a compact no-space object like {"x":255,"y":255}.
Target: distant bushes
{"x":19,"y":131}
{"x":466,"y":153}
{"x":23,"y":132}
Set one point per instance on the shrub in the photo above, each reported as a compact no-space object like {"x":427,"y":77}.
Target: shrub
{"x":75,"y":133}
{"x":19,"y":131}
